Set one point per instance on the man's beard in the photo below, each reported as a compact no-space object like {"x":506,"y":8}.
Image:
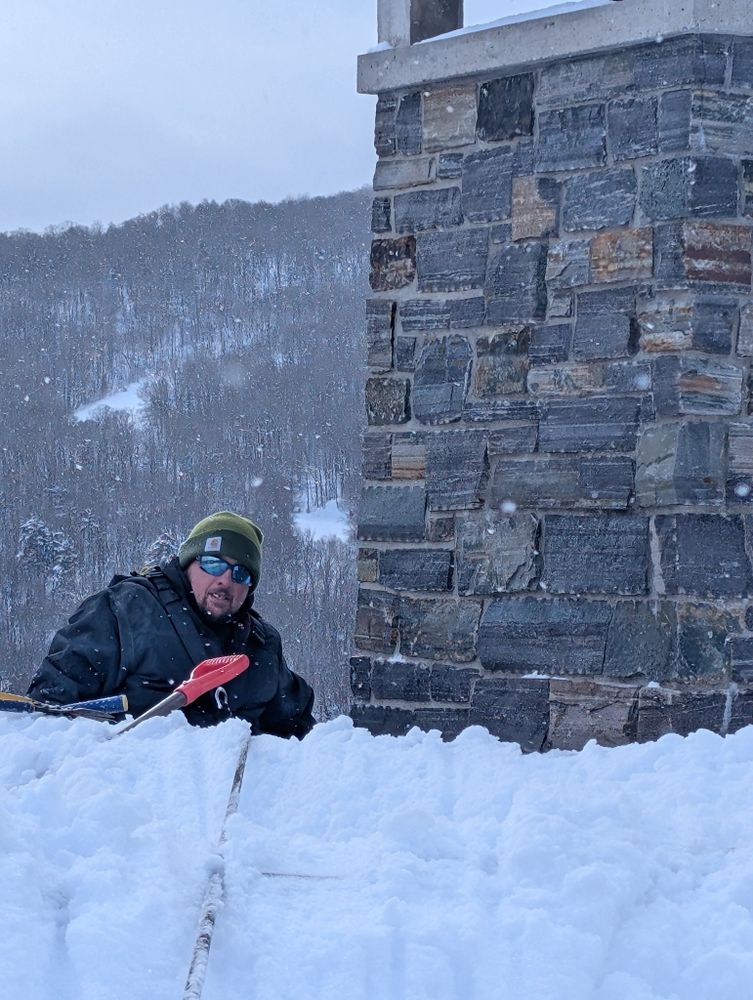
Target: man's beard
{"x":220,"y":610}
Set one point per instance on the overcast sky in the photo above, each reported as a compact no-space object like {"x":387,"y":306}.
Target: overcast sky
{"x":111,"y":108}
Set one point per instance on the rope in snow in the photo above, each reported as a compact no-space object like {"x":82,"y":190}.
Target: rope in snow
{"x":215,"y":891}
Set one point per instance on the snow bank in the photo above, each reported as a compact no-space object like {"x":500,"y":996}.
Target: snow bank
{"x":442,"y":871}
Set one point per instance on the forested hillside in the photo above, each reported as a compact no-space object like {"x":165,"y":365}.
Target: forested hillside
{"x":246,"y":323}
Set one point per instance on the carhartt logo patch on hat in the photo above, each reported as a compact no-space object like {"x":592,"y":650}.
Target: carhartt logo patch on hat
{"x":213,"y":544}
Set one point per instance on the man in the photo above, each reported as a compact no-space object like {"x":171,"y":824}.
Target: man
{"x":144,"y":634}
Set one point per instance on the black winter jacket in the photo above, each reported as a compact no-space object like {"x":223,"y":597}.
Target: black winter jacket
{"x":143,"y":635}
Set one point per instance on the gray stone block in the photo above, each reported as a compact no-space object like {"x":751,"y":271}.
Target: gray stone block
{"x":585,"y":78}
{"x":408,"y":125}
{"x":581,"y":709}
{"x":548,"y":636}
{"x":550,"y":343}
{"x":681,"y":462}
{"x":449,"y":721}
{"x":642,"y":641}
{"x":674,"y":121}
{"x":501,"y":364}
{"x":607,"y":336}
{"x":722,"y":123}
{"x":457,"y":470}
{"x":501,"y":410}
{"x":514,"y":709}
{"x":599,"y":553}
{"x":692,"y":544}
{"x":739,"y":486}
{"x":393,"y":263}
{"x":451,"y":683}
{"x":416,"y":569}
{"x":703,"y":186}
{"x":741,"y":658}
{"x":607,"y":300}
{"x":599,"y":200}
{"x":487,"y":185}
{"x":505,"y":108}
{"x":568,"y":264}
{"x":565,"y":482}
{"x":742,"y":63}
{"x":571,"y":138}
{"x":632,"y":128}
{"x":360,"y":677}
{"x":396,"y":680}
{"x":380,"y":323}
{"x":449,"y":165}
{"x":496,"y":553}
{"x":742,"y":710}
{"x":377,"y":448}
{"x":381,"y":215}
{"x":385,"y":142}
{"x":387,"y":400}
{"x":747,"y":166}
{"x":516,"y":290}
{"x":405,"y":353}
{"x":393,"y":514}
{"x":678,"y":61}
{"x":442,"y":314}
{"x":745,"y":338}
{"x":441,"y":380}
{"x":376,"y":621}
{"x":452,"y":261}
{"x":695,"y":385}
{"x":500,"y":232}
{"x":439,"y":628}
{"x":514,"y":439}
{"x":421,"y":210}
{"x":662,"y":711}
{"x":703,"y":641}
{"x":398,"y":173}
{"x":601,"y":423}
{"x":382,"y":721}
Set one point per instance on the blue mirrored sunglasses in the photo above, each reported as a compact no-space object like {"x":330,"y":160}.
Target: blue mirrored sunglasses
{"x":216,"y":567}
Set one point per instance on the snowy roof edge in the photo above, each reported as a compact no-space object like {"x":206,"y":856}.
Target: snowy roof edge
{"x":547,"y":36}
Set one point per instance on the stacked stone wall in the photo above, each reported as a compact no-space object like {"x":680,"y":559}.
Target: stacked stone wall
{"x":556,"y":532}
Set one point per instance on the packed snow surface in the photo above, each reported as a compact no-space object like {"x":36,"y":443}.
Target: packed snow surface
{"x":460,"y":871}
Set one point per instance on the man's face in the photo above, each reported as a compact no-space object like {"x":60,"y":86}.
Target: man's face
{"x":217,"y":596}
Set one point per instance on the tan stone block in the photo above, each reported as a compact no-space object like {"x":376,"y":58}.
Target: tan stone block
{"x":408,"y":461}
{"x":449,"y":116}
{"x":583,"y":710}
{"x":565,"y":379}
{"x":532,"y":215}
{"x":622,"y":255}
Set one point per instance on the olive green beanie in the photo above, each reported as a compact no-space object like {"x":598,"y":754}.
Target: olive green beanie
{"x":225,"y":534}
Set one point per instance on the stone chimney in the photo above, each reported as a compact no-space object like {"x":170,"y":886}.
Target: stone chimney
{"x":556,"y":532}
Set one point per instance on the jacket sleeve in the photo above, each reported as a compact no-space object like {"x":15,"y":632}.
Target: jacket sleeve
{"x":84,"y":658}
{"x":289,"y":713}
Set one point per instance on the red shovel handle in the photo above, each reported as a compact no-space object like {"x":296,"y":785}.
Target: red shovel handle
{"x":210,"y":674}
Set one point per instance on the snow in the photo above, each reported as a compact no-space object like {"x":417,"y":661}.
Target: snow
{"x":128,"y":399}
{"x":321,"y":523}
{"x":460,"y":871}
{"x":519,"y":11}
